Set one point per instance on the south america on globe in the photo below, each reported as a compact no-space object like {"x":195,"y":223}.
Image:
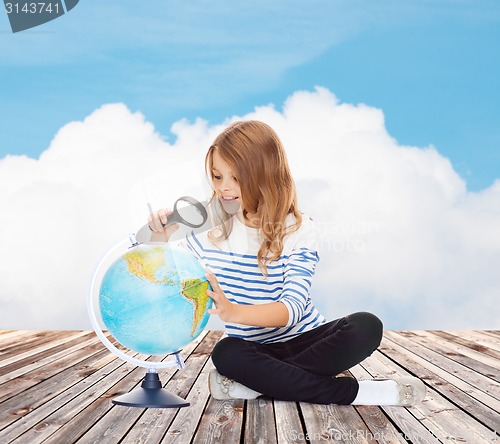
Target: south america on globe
{"x":153,"y":299}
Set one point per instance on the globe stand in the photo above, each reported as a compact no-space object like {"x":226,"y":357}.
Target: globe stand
{"x":151,"y":394}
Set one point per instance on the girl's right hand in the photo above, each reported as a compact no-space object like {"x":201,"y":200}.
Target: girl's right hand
{"x":158,"y":224}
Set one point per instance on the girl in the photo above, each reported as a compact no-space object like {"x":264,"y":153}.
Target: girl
{"x":262,"y":257}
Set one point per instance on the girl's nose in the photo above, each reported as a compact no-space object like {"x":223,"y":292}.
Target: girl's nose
{"x":224,"y":186}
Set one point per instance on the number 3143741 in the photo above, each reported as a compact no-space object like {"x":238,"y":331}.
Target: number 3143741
{"x":32,"y":8}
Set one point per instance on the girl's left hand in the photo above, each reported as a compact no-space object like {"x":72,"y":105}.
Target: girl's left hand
{"x":223,"y":307}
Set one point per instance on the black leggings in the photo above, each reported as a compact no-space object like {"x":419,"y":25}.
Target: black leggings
{"x":305,"y":367}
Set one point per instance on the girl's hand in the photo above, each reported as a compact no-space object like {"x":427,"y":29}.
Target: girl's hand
{"x":223,"y":307}
{"x":273,"y":314}
{"x":157,"y":222}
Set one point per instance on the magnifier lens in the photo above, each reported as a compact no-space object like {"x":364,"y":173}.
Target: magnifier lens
{"x":189,"y":213}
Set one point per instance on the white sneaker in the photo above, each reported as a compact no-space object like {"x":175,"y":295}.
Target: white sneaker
{"x":411,"y":391}
{"x":224,"y":388}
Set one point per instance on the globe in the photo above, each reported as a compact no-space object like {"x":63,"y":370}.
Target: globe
{"x":153,"y":299}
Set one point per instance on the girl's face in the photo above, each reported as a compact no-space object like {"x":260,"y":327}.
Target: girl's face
{"x":226,"y":184}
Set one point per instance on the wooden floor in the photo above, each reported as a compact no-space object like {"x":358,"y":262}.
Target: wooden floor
{"x":57,"y":387}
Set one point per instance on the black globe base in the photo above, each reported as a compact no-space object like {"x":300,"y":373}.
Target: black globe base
{"x":151,"y":394}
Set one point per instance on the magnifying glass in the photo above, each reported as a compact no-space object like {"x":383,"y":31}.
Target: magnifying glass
{"x":187,"y":211}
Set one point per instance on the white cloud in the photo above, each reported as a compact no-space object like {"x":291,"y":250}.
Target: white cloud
{"x":401,"y":236}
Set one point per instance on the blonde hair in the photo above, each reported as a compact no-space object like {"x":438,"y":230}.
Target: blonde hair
{"x":256,"y":156}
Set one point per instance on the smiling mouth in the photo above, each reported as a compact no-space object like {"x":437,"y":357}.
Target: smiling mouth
{"x":231,"y":204}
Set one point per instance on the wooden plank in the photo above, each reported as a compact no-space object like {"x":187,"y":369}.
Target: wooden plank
{"x":492,"y":333}
{"x":32,"y":390}
{"x":445,"y":368}
{"x":67,"y":392}
{"x":118,"y":421}
{"x":379,"y":427}
{"x":377,"y":422}
{"x":90,"y":408}
{"x":113,"y":422}
{"x":289,"y":427}
{"x":221,"y":423}
{"x":445,"y":420}
{"x":479,"y":362}
{"x":45,"y":354}
{"x":462,"y":394}
{"x":494,"y":338}
{"x":21,"y":359}
{"x":69,"y":404}
{"x":154,"y":423}
{"x":475,"y":379}
{"x":96,"y":404}
{"x":260,"y":427}
{"x":334,"y":422}
{"x":28,"y":342}
{"x":12,"y":336}
{"x":186,"y":422}
{"x":477,"y":341}
{"x":407,"y":424}
{"x":451,"y":424}
{"x":39,"y":375}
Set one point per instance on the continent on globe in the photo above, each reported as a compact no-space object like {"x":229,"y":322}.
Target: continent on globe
{"x":195,"y":291}
{"x":145,"y":263}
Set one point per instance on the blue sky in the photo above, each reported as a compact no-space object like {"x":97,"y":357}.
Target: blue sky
{"x":429,"y":65}
{"x":118,"y":67}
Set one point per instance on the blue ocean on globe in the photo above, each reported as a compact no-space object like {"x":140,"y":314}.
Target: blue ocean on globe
{"x":153,"y":299}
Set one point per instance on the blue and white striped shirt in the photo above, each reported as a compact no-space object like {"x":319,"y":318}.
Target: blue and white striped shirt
{"x":234,"y":263}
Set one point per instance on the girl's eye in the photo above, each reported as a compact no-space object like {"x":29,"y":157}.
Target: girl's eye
{"x":217,"y":177}
{"x":234,"y":178}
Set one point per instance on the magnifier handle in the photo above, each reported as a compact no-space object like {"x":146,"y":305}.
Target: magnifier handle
{"x":173,"y":218}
